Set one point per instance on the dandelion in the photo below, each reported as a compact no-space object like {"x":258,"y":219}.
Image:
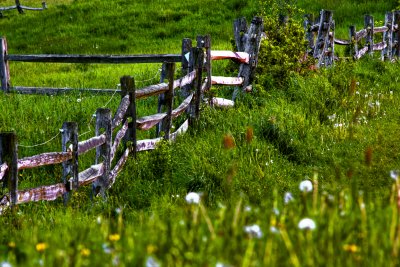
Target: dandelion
{"x":306,"y":186}
{"x":85,"y":252}
{"x":114,"y":237}
{"x":306,"y":224}
{"x":5,"y":264}
{"x":151,"y":262}
{"x":394,"y":174}
{"x":288,"y":197}
{"x":40,"y":247}
{"x":192,"y":198}
{"x":79,"y":100}
{"x":11,"y":244}
{"x":253,"y":231}
{"x":350,"y":248}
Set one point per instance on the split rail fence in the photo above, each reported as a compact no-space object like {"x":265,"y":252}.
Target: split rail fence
{"x":18,"y":6}
{"x":196,"y":65}
{"x":321,"y":37}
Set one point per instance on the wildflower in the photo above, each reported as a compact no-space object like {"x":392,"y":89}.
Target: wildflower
{"x":98,"y":220}
{"x":40,"y":247}
{"x":192,"y":198}
{"x":332,"y":117}
{"x":114,"y":237}
{"x":394,"y":174}
{"x":247,"y":208}
{"x":118,"y":210}
{"x":274,"y":230}
{"x":5,"y":264}
{"x":85,"y":252}
{"x":11,"y":244}
{"x":253,"y":231}
{"x":79,"y":100}
{"x":106,"y":248}
{"x":306,"y":186}
{"x":350,"y":248}
{"x":307,"y":224}
{"x":288,"y":197}
{"x":276,"y":211}
{"x":151,"y":262}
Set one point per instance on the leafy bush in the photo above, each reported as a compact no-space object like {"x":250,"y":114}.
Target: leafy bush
{"x":283,"y":49}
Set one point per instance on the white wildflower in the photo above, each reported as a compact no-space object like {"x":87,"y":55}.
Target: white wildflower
{"x":151,"y":262}
{"x":79,"y":100}
{"x":5,"y":264}
{"x":192,"y":198}
{"x":394,"y":174}
{"x":274,"y":230}
{"x":306,"y":186}
{"x":253,"y":231}
{"x":307,"y":224}
{"x":332,"y":117}
{"x":288,"y":197}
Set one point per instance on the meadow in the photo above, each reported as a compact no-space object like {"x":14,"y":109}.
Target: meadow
{"x":300,"y":175}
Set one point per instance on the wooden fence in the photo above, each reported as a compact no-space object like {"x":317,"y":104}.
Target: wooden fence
{"x":196,"y":61}
{"x":21,"y":8}
{"x":321,"y":37}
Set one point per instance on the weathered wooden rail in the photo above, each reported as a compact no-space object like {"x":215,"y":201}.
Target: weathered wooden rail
{"x":321,"y":37}
{"x":21,"y":8}
{"x":196,"y":68}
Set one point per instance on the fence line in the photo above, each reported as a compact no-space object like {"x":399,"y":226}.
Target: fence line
{"x":321,"y":37}
{"x":21,"y":8}
{"x":196,"y":61}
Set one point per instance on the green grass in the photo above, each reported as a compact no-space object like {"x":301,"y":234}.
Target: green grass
{"x":348,"y":156}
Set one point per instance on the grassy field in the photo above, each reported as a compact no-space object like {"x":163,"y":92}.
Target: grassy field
{"x":336,"y":128}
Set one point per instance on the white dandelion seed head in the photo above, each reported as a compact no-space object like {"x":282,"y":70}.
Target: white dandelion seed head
{"x":394,"y":174}
{"x":253,"y":231}
{"x":306,"y":186}
{"x":288,"y":197}
{"x":307,"y":224}
{"x":79,"y":100}
{"x":193,"y":198}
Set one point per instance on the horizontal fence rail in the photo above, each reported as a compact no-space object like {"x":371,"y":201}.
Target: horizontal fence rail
{"x":120,"y":129}
{"x":321,"y":37}
{"x":21,"y":8}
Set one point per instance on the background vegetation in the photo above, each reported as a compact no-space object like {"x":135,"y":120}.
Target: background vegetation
{"x":335,"y":127}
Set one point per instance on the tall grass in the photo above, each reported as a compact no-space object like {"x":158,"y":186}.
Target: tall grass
{"x":336,"y":128}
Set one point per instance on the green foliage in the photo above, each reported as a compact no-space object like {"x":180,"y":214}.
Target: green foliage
{"x":283,"y":49}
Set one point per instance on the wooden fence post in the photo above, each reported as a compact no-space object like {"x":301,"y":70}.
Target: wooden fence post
{"x":194,"y":108}
{"x":103,"y":152}
{"x":161,"y":98}
{"x":19,"y":8}
{"x":252,"y":46}
{"x":69,"y":135}
{"x":369,"y":39}
{"x":240,"y":33}
{"x":4,"y":67}
{"x":9,"y":155}
{"x":353,"y":40}
{"x":388,"y":36}
{"x":308,"y":23}
{"x":396,"y":35}
{"x":186,"y":67}
{"x":205,"y":42}
{"x":128,"y":88}
{"x":322,"y":42}
{"x":169,"y":100}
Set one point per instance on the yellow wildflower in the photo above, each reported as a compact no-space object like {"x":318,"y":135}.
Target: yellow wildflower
{"x":350,"y":248}
{"x":40,"y":247}
{"x":11,"y":244}
{"x":85,"y":252}
{"x":114,"y":237}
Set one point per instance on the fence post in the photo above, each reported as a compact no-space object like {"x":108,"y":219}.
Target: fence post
{"x":19,"y":8}
{"x":322,"y":42}
{"x":169,"y":100}
{"x":103,"y":122}
{"x":186,"y":67}
{"x":205,"y":42}
{"x":9,"y":155}
{"x":69,"y":135}
{"x":4,"y":67}
{"x":252,"y":46}
{"x":387,"y":36}
{"x":396,"y":35}
{"x":194,"y":108}
{"x":161,"y":98}
{"x":369,"y":39}
{"x":128,"y":88}
{"x":308,"y":23}
{"x":240,"y":33}
{"x":353,"y":40}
